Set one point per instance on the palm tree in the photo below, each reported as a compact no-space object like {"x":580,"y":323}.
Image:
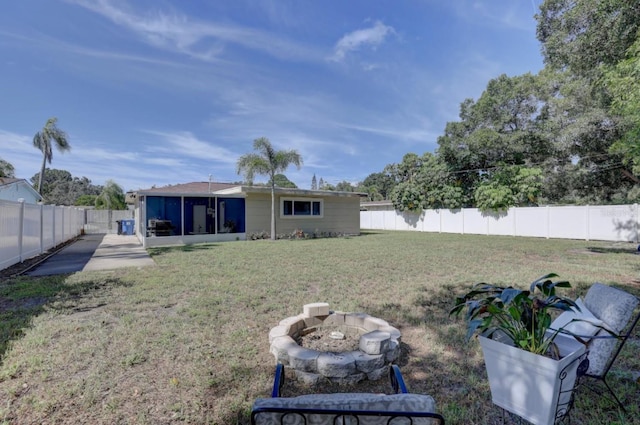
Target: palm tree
{"x":43,"y":141}
{"x":267,"y":162}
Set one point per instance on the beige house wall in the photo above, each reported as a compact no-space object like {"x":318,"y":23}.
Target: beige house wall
{"x":341,"y":214}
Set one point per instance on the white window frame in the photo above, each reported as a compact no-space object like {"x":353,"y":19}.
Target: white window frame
{"x":297,"y":217}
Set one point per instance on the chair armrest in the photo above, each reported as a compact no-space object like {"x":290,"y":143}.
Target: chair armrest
{"x":278,"y":380}
{"x":396,"y":380}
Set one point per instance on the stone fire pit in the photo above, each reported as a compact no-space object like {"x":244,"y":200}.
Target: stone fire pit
{"x":379,"y":345}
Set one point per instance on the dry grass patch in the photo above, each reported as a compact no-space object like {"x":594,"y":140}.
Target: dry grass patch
{"x":186,"y":342}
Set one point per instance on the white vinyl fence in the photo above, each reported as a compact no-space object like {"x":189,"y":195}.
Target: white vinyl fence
{"x":607,"y":223}
{"x":105,"y":221}
{"x":27,"y":230}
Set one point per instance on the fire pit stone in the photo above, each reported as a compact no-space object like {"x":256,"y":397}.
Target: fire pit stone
{"x":379,"y":345}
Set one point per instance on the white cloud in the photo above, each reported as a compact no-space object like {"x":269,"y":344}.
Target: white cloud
{"x":200,"y":40}
{"x":185,"y":144}
{"x":15,"y":142}
{"x":373,"y":37}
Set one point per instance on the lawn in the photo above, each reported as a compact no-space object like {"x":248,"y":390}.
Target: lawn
{"x":187,"y":341}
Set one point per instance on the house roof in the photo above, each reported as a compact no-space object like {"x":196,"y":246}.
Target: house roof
{"x":286,"y":191}
{"x":5,"y":182}
{"x":193,"y":188}
{"x":206,"y":188}
{"x":8,"y":180}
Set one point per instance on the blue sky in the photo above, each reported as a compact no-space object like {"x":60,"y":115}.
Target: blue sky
{"x":156,"y":92}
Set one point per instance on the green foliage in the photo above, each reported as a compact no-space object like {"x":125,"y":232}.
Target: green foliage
{"x":378,"y":186}
{"x":281,"y":180}
{"x":267,"y":161}
{"x":623,"y":82}
{"x":111,"y":197}
{"x":408,"y":196}
{"x":424,"y":182}
{"x":6,"y":169}
{"x":345,"y":186}
{"x":59,"y":187}
{"x":86,"y":200}
{"x":523,"y":316}
{"x":569,"y":134}
{"x":509,"y":186}
{"x":582,"y":35}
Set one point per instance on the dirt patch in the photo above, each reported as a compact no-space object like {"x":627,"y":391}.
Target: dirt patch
{"x":27,"y":303}
{"x":320,"y":339}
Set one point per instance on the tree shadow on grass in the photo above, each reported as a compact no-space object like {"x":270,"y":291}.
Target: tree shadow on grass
{"x":612,"y":250}
{"x":23,"y":298}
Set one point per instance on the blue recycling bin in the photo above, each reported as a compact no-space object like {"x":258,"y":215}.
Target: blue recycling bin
{"x":127,"y":227}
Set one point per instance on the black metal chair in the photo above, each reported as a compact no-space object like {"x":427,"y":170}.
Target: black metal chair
{"x":346,"y":409}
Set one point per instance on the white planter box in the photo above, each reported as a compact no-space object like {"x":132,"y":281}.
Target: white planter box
{"x":527,"y":384}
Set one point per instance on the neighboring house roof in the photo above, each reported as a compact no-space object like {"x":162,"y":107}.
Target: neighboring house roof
{"x":202,"y":188}
{"x":8,"y":180}
{"x":13,"y":189}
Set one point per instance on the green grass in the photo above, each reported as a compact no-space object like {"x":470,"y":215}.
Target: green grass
{"x":187,"y":341}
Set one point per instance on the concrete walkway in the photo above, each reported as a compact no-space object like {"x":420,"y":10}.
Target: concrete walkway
{"x":95,"y":252}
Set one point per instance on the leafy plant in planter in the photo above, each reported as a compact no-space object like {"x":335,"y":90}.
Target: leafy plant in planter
{"x":527,"y":375}
{"x":521,"y":316}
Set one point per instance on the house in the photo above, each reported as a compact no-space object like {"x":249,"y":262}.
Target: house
{"x":18,"y":190}
{"x":211,"y":212}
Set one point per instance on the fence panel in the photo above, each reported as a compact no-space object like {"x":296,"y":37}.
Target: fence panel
{"x":568,"y":222}
{"x":27,"y":230}
{"x":431,"y":221}
{"x":532,"y":222}
{"x":608,"y":223}
{"x":105,"y":221}
{"x":31,"y":231}
{"x":58,"y":226}
{"x":451,"y":221}
{"x":10,"y":233}
{"x":619,"y":220}
{"x":502,"y":224}
{"x":48,"y":229}
{"x":475,"y":222}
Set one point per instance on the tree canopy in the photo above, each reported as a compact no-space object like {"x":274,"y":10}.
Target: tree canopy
{"x":569,"y":134}
{"x":111,"y":197}
{"x":59,"y":187}
{"x":281,"y":180}
{"x":6,"y":169}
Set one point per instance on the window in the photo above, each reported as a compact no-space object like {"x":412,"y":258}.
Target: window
{"x":300,"y":208}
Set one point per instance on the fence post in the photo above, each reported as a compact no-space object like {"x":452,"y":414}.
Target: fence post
{"x":21,"y":227}
{"x":636,"y":223}
{"x":586,"y":220}
{"x":53,"y":226}
{"x":41,"y":228}
{"x":548,"y":221}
